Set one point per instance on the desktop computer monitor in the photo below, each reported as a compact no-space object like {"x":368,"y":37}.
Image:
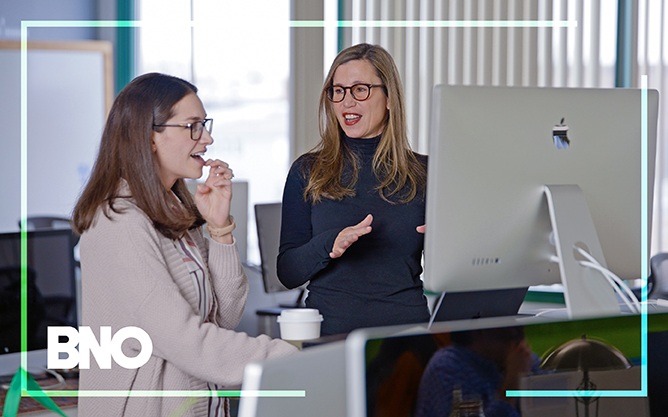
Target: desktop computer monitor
{"x":385,"y":365}
{"x":319,"y":372}
{"x":517,"y":175}
{"x":51,"y":293}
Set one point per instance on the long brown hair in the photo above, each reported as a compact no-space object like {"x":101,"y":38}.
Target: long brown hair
{"x":394,"y":163}
{"x":126,"y":154}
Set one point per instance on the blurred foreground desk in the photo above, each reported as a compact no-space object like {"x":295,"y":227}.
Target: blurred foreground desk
{"x":342,"y":378}
{"x":318,"y":372}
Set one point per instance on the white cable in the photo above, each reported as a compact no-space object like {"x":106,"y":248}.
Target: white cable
{"x":650,"y":303}
{"x":621,"y":286}
{"x":612,"y":279}
{"x":635,"y":308}
{"x":620,"y":282}
{"x":655,"y":304}
{"x":549,"y":310}
{"x":59,"y":378}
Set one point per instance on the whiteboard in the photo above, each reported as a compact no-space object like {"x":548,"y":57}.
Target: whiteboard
{"x":69,"y":91}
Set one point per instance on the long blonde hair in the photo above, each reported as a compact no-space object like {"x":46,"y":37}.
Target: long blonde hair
{"x":394,"y":163}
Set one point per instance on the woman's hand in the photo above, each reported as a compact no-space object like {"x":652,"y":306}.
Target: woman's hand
{"x":421,"y":229}
{"x":349,"y":235}
{"x":517,"y":364}
{"x":214,"y":196}
{"x":519,"y":359}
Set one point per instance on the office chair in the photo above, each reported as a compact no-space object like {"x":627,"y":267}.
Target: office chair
{"x":657,"y":287}
{"x":268,"y":222}
{"x":50,"y":223}
{"x":47,"y":223}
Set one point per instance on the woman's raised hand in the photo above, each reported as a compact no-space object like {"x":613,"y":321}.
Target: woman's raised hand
{"x":349,"y":235}
{"x":214,"y":196}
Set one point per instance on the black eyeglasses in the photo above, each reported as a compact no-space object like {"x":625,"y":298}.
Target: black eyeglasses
{"x":196,"y":128}
{"x":360,"y":92}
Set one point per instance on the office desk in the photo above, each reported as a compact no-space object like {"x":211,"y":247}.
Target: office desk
{"x":69,"y":412}
{"x":335,"y":376}
{"x":318,"y":371}
{"x":30,"y":406}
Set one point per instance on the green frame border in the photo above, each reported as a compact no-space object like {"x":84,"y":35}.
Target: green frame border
{"x":125,"y":45}
{"x":25,"y":24}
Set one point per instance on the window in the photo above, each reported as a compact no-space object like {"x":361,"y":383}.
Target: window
{"x":237,"y":54}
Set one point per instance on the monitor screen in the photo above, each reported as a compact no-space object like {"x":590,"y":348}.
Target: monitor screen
{"x":51,"y":291}
{"x":496,"y":154}
{"x":390,"y":367}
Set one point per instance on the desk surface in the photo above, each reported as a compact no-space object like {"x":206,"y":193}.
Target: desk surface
{"x":30,"y":406}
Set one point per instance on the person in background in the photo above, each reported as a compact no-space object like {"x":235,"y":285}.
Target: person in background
{"x":146,"y":263}
{"x":354,"y":207}
{"x":484,"y":363}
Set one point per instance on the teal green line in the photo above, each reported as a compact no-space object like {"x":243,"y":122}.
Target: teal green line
{"x":123,"y":23}
{"x":125,"y":45}
{"x":319,"y":23}
{"x":574,"y":393}
{"x":170,"y":393}
{"x":24,"y":243}
{"x":24,"y":203}
{"x":339,"y":32}
{"x":644,"y":223}
{"x":92,"y":23}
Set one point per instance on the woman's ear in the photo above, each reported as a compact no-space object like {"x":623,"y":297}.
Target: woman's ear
{"x":154,"y":148}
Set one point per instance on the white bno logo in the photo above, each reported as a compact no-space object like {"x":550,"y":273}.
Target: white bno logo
{"x":107,"y":348}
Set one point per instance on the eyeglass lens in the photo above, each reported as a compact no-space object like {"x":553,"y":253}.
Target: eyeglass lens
{"x":197,"y":128}
{"x":337,"y":93}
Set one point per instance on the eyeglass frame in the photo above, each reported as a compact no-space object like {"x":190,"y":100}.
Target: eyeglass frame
{"x":190,"y":126}
{"x":345,"y":91}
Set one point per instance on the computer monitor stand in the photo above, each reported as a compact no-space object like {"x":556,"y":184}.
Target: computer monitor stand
{"x":478,"y":304}
{"x":586,"y":291}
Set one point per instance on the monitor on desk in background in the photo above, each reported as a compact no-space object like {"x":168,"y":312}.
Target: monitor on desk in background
{"x":518,"y":175}
{"x":51,"y":293}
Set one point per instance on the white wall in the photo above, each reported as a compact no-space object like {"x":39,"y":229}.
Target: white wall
{"x":12,"y":12}
{"x":65,"y":116}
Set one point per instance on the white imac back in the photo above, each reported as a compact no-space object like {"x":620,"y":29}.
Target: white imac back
{"x":491,"y":153}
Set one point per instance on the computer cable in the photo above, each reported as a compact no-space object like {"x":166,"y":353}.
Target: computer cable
{"x":615,"y":282}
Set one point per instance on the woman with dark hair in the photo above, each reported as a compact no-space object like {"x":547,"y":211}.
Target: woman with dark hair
{"x":354,"y":207}
{"x":145,"y":262}
{"x":482,"y":364}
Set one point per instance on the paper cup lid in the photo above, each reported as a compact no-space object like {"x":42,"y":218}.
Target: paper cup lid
{"x":299,"y":315}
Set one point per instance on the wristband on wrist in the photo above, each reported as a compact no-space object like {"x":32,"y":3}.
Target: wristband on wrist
{"x":221,"y":231}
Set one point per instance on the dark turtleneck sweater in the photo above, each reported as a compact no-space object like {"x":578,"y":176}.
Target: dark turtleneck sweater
{"x":376,"y":282}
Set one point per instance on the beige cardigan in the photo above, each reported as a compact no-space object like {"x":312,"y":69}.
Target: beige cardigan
{"x":133,"y":276}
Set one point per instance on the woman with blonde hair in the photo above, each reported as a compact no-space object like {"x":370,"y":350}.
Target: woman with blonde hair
{"x":145,"y":262}
{"x":353,"y":208}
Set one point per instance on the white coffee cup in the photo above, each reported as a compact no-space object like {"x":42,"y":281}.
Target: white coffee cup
{"x":300,"y":323}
